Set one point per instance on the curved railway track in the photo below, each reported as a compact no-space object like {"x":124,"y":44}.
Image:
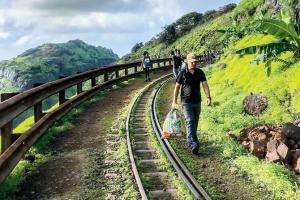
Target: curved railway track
{"x":152,"y":179}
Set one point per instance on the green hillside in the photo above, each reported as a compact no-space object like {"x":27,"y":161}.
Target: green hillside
{"x":192,"y":40}
{"x":49,"y":61}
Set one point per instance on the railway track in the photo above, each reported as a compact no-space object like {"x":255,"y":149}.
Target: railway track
{"x":152,"y":179}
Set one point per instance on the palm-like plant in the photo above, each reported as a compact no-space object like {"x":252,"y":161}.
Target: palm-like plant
{"x":234,"y":31}
{"x":288,"y":39}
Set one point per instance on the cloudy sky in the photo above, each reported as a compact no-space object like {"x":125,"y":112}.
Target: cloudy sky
{"x":116,"y":24}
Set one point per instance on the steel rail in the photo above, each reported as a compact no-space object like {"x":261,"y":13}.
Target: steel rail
{"x":129,"y":146}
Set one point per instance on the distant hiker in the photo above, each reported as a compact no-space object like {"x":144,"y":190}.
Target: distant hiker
{"x":173,"y":57}
{"x":189,"y":80}
{"x":147,"y":65}
{"x":176,"y":62}
{"x":179,"y":58}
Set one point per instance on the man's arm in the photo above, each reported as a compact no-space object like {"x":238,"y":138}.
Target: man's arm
{"x":207,"y":92}
{"x":175,"y":95}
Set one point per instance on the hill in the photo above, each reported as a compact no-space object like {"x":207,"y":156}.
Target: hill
{"x":49,"y":61}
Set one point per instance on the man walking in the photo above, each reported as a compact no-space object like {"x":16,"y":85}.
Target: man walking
{"x":176,"y":62}
{"x":189,"y":80}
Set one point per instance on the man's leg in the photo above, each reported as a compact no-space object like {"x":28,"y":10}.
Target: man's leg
{"x":197,"y":110}
{"x":191,"y":133}
{"x":177,"y":72}
{"x":146,"y":78}
{"x":174,"y":72}
{"x":148,"y":72}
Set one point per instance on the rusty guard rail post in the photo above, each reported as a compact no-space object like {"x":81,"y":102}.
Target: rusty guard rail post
{"x":14,"y":106}
{"x":7,"y":129}
{"x":38,"y":107}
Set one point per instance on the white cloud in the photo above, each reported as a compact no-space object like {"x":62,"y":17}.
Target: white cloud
{"x":26,"y":24}
{"x":4,"y":35}
{"x":24,"y":40}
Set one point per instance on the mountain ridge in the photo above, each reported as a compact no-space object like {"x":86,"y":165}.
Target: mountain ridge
{"x":48,"y":61}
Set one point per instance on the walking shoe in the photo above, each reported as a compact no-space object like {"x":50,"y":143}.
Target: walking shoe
{"x":195,"y":150}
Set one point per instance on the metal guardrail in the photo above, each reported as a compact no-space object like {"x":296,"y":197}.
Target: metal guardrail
{"x":13,"y":151}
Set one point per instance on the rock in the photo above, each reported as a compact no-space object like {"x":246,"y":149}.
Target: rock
{"x":257,"y":148}
{"x":233,"y":170}
{"x":272,"y":145}
{"x":255,"y":104}
{"x":111,"y":175}
{"x":295,"y":160}
{"x":296,"y":164}
{"x":291,"y":131}
{"x":272,"y":156}
{"x":246,"y":144}
{"x":283,"y":151}
{"x":256,"y":134}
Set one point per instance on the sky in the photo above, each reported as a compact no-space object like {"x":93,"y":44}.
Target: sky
{"x":115,"y":24}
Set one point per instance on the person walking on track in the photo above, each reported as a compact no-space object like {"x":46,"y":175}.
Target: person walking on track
{"x":147,"y":65}
{"x":176,"y":63}
{"x":189,"y":81}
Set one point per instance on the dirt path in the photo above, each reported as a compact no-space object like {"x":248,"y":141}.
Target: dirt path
{"x":80,"y":150}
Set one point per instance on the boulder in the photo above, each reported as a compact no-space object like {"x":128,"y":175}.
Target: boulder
{"x":272,"y":156}
{"x":290,"y":131}
{"x":272,"y":145}
{"x":296,"y":163}
{"x":255,"y":104}
{"x":257,"y":148}
{"x":283,"y":152}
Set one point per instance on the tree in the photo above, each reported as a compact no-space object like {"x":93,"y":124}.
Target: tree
{"x":168,"y":36}
{"x":187,"y":22}
{"x":136,"y":47}
{"x":227,"y":8}
{"x":288,"y":35}
{"x":209,"y":15}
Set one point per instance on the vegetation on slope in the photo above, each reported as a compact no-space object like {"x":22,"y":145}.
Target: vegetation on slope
{"x":49,"y":61}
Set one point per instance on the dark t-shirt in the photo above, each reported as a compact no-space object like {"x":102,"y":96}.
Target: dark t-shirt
{"x":177,"y":61}
{"x":190,"y":85}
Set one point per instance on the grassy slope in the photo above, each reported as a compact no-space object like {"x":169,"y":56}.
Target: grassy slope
{"x":230,"y":86}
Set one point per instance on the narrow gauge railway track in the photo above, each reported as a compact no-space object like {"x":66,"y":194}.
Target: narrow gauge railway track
{"x":144,"y":156}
